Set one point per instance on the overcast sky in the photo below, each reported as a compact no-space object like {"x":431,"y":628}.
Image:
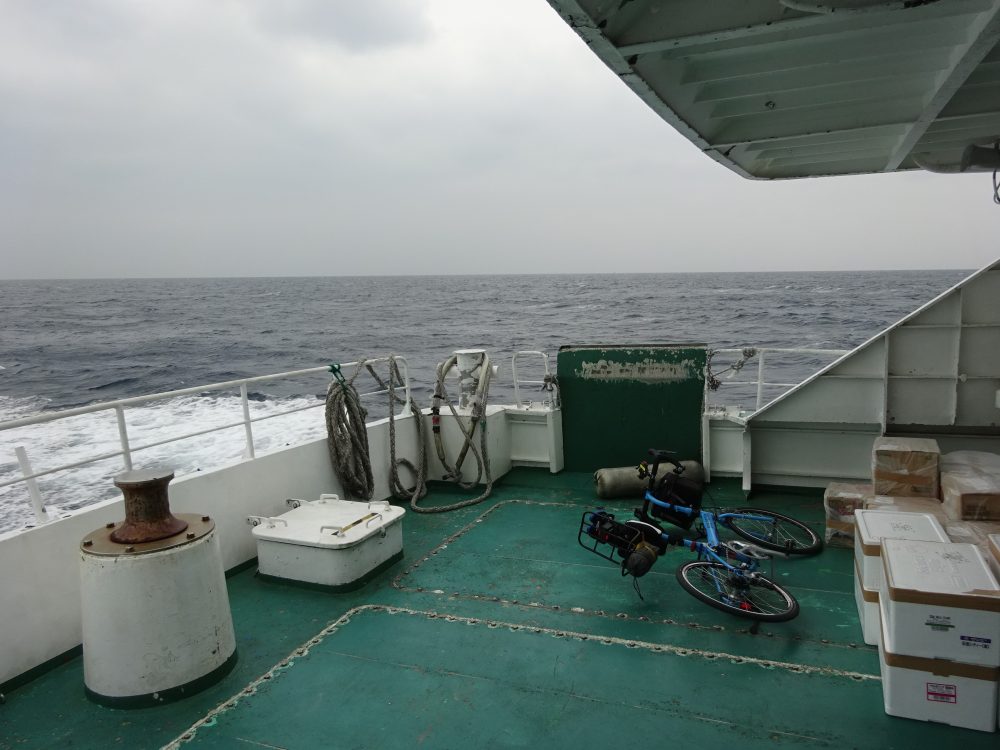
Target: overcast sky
{"x":318,"y":137}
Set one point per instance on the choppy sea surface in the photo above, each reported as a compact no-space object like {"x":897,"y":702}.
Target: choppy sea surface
{"x":65,"y":344}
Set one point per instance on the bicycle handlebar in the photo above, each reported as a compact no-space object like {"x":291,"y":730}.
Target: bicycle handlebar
{"x":659,"y":456}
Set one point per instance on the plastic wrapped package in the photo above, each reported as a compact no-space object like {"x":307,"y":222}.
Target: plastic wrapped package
{"x":840,"y":501}
{"x":907,"y":505}
{"x":970,"y":486}
{"x":981,"y":459}
{"x":973,"y":532}
{"x":905,"y":467}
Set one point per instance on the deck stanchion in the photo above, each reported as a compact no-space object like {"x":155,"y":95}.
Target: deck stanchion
{"x":123,"y":437}
{"x":246,"y":421}
{"x":760,"y":379}
{"x":36,"y":497}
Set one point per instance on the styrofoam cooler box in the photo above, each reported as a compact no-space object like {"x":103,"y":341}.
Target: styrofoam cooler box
{"x":907,"y":504}
{"x":872,"y":526}
{"x":940,"y":601}
{"x":949,"y":692}
{"x":329,"y":542}
{"x":868,"y":613}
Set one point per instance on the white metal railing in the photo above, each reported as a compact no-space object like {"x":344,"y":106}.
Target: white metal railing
{"x":546,"y":383}
{"x":29,"y":475}
{"x":761,"y":356}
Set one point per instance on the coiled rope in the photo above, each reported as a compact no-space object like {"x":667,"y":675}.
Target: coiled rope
{"x":347,"y":435}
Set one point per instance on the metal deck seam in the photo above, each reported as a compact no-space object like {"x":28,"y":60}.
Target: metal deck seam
{"x":397,"y":583}
{"x":303,"y":650}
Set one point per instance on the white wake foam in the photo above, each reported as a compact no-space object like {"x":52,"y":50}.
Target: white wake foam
{"x":78,"y":438}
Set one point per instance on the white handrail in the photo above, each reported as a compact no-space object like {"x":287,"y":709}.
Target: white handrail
{"x":518,"y":382}
{"x":29,"y":475}
{"x":762,"y":353}
{"x":137,"y":400}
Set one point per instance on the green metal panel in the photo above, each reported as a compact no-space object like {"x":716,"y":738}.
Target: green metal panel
{"x":618,"y":401}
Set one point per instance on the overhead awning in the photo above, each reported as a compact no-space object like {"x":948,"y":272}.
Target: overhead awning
{"x":789,"y":88}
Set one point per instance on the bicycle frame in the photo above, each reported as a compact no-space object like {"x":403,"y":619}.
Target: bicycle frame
{"x":706,"y":550}
{"x":731,"y":567}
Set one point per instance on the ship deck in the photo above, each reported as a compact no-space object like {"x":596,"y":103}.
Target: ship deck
{"x":498,"y":630}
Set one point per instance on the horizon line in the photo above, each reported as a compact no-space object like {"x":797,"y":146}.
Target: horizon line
{"x":477,"y":275}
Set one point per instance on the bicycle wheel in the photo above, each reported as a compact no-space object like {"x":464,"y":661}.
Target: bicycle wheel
{"x":778,"y":532}
{"x":747,"y":595}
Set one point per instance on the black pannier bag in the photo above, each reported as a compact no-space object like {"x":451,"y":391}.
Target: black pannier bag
{"x":678,"y":490}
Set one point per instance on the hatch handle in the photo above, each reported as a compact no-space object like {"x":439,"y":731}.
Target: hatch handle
{"x":270,"y":521}
{"x":338,"y":530}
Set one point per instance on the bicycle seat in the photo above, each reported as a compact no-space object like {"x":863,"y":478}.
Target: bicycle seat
{"x":660,"y":455}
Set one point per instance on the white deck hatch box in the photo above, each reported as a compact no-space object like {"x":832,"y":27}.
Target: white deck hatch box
{"x":940,"y":601}
{"x":329,"y":542}
{"x":963,"y":695}
{"x":872,"y":526}
{"x":994,"y":543}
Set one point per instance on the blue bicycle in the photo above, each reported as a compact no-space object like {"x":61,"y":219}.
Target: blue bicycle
{"x":725,"y":573}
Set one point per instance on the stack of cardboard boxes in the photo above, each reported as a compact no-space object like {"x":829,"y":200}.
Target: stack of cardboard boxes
{"x":924,"y":586}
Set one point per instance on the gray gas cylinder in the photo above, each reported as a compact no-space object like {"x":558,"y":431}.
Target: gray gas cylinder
{"x":624,"y":481}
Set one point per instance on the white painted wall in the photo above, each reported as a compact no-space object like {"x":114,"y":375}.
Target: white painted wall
{"x":726,"y":447}
{"x":811,"y":456}
{"x":40,"y":593}
{"x":938,"y":367}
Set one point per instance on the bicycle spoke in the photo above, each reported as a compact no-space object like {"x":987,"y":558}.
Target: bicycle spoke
{"x":735,"y":592}
{"x":774,"y":531}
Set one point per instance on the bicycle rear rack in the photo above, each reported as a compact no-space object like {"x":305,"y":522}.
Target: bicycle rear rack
{"x":603,"y":531}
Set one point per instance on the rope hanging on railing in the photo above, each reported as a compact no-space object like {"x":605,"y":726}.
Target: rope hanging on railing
{"x":550,"y":384}
{"x":712,"y":378}
{"x":419,"y":488}
{"x":347,"y":435}
{"x":454,"y":472}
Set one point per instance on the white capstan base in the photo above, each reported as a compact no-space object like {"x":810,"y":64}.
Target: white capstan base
{"x":154,"y":623}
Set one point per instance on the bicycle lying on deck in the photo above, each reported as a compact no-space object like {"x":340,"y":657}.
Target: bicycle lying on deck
{"x":725,"y":573}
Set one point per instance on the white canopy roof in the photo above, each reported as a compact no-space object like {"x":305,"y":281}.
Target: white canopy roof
{"x":795,"y":88}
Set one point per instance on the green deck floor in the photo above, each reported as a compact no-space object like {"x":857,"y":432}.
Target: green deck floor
{"x":498,"y":630}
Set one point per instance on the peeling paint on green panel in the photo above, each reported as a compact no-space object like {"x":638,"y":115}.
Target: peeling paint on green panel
{"x":646,"y":371}
{"x":619,"y":401}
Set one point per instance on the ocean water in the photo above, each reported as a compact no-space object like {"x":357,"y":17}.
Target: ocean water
{"x":70,"y":343}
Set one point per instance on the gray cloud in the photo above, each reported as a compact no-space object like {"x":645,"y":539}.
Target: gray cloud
{"x":358,"y":27}
{"x":256,"y":138}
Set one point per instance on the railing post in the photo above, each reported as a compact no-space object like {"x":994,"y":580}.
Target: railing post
{"x":123,"y":437}
{"x":246,"y":421}
{"x":760,"y":379}
{"x":513,"y":373}
{"x":36,"y":497}
{"x":406,"y":381}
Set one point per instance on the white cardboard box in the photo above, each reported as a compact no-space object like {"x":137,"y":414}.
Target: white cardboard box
{"x":994,"y":542}
{"x":963,"y":695}
{"x":940,"y":601}
{"x":872,"y":526}
{"x":329,"y":542}
{"x":868,"y":612}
